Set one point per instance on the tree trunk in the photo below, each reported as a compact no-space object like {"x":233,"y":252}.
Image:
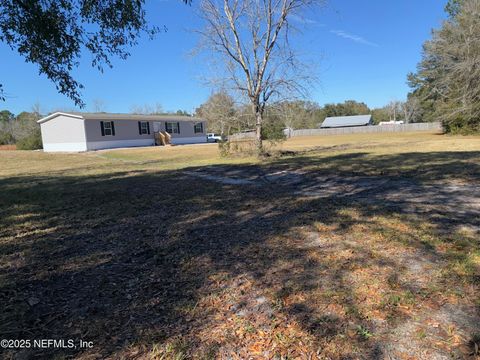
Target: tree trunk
{"x":258,"y":129}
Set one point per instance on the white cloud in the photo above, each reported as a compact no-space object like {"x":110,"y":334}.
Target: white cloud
{"x":353,"y":37}
{"x":304,"y":20}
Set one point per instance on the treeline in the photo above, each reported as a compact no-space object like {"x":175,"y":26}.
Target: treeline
{"x":446,"y":85}
{"x":226,"y":117}
{"x":21,"y":130}
{"x":148,"y":109}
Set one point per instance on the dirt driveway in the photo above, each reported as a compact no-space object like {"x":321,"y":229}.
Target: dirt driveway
{"x":456,"y":203}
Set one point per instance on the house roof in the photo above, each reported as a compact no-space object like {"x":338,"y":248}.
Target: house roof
{"x":341,"y":121}
{"x":110,"y":116}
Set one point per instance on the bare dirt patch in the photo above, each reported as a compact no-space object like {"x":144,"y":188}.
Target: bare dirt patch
{"x":461,"y":201}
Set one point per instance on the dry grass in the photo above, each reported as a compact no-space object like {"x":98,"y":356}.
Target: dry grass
{"x":177,"y":157}
{"x":384,"y":143}
{"x":126,"y":249}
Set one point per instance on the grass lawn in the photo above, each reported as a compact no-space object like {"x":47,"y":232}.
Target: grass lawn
{"x":339,"y":247}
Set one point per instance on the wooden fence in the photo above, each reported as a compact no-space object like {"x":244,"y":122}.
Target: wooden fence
{"x":432,"y":127}
{"x":242,"y":136}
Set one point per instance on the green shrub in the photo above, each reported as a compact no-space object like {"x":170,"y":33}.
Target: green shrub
{"x":273,"y":131}
{"x":6,"y":138}
{"x":30,"y":142}
{"x":462,"y":127}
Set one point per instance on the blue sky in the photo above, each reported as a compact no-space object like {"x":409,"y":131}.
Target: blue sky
{"x":363,"y":51}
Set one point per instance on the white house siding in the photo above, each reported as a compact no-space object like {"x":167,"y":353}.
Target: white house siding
{"x":189,"y":140}
{"x":64,"y":133}
{"x":112,"y":144}
{"x":65,"y":147}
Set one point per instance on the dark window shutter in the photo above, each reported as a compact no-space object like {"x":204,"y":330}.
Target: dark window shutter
{"x":140,"y":127}
{"x":178,"y":127}
{"x":148,"y":128}
{"x":102,"y":128}
{"x":113,"y":129}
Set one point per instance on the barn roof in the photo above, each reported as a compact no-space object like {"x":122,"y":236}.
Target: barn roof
{"x":343,"y":121}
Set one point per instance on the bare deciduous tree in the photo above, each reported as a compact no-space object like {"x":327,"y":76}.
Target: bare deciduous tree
{"x":220,"y":112}
{"x":394,"y":109}
{"x":98,"y":105}
{"x":251,"y":39}
{"x":411,"y":109}
{"x":147,"y":109}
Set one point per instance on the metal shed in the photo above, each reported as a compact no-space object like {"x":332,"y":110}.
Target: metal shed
{"x":347,"y":121}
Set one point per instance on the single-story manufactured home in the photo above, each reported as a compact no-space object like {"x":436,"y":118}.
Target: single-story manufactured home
{"x":63,"y":131}
{"x":347,"y":121}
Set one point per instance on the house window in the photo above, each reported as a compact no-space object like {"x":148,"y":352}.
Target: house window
{"x":172,"y":127}
{"x":198,"y":128}
{"x":108,"y":128}
{"x":143,"y":127}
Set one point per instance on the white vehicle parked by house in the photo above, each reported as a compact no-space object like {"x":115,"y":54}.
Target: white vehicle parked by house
{"x":211,"y":137}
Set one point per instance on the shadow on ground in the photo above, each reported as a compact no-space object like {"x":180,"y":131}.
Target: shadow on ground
{"x":146,"y":263}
